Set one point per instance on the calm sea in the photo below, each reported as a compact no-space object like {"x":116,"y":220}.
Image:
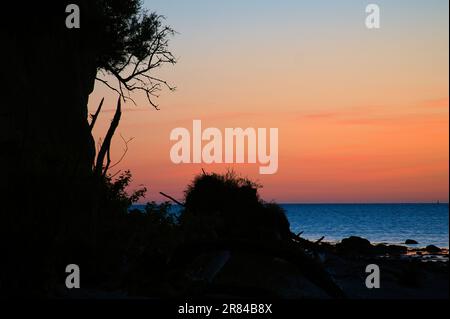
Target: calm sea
{"x":388,"y":223}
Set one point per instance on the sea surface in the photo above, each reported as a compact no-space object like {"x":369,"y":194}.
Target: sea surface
{"x":389,"y":223}
{"x":379,"y":223}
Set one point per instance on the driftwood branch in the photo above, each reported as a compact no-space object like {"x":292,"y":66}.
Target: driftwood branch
{"x":172,"y":199}
{"x":298,"y":236}
{"x":319,"y":240}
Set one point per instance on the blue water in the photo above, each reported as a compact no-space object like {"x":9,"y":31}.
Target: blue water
{"x":390,"y":223}
{"x":387,"y":223}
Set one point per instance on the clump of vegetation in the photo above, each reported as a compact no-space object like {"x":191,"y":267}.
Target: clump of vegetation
{"x":229,"y":207}
{"x":115,"y":192}
{"x":131,"y":249}
{"x":122,"y":247}
{"x":153,"y":234}
{"x":153,"y":230}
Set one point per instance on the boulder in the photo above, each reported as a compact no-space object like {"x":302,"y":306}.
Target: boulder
{"x":411,"y":242}
{"x":432,"y":249}
{"x":355,"y":244}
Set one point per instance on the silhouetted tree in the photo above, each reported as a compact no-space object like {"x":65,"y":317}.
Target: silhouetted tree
{"x":134,"y":44}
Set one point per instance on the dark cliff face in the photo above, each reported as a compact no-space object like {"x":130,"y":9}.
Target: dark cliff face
{"x":50,"y":72}
{"x":53,"y":210}
{"x":47,"y":150}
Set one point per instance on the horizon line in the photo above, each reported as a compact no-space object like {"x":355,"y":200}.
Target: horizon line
{"x":331,"y":203}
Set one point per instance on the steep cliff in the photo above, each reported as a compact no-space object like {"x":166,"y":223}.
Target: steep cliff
{"x":54,"y":209}
{"x":47,"y":150}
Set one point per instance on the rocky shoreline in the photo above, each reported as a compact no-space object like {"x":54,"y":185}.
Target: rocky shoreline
{"x":226,"y":272}
{"x":358,"y":245}
{"x":406,"y":273}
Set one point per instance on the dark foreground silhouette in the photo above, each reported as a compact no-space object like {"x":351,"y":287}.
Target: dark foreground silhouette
{"x":59,"y":205}
{"x":228,"y":243}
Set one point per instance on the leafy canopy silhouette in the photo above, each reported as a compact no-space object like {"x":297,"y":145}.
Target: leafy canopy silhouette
{"x":132,"y":43}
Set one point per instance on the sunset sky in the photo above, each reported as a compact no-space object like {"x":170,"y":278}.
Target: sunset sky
{"x":362,"y":114}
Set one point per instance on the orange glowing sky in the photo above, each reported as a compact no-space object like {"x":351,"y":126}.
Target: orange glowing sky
{"x":362,"y":114}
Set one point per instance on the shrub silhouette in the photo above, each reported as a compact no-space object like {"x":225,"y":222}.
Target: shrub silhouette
{"x":229,"y":207}
{"x":152,"y":235}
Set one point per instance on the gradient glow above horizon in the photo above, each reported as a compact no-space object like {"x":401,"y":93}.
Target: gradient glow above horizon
{"x":362,"y":114}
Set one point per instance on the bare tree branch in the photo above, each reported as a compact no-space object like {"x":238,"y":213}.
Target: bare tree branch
{"x":125,"y":150}
{"x":108,"y":161}
{"x":94,"y":117}
{"x":98,"y":169}
{"x":134,"y":74}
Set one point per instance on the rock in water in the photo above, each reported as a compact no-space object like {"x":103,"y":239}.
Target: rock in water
{"x":411,"y":242}
{"x":432,"y":249}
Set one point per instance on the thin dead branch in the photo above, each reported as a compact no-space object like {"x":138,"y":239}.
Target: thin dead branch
{"x":125,"y":150}
{"x":94,"y":116}
{"x":106,"y":145}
